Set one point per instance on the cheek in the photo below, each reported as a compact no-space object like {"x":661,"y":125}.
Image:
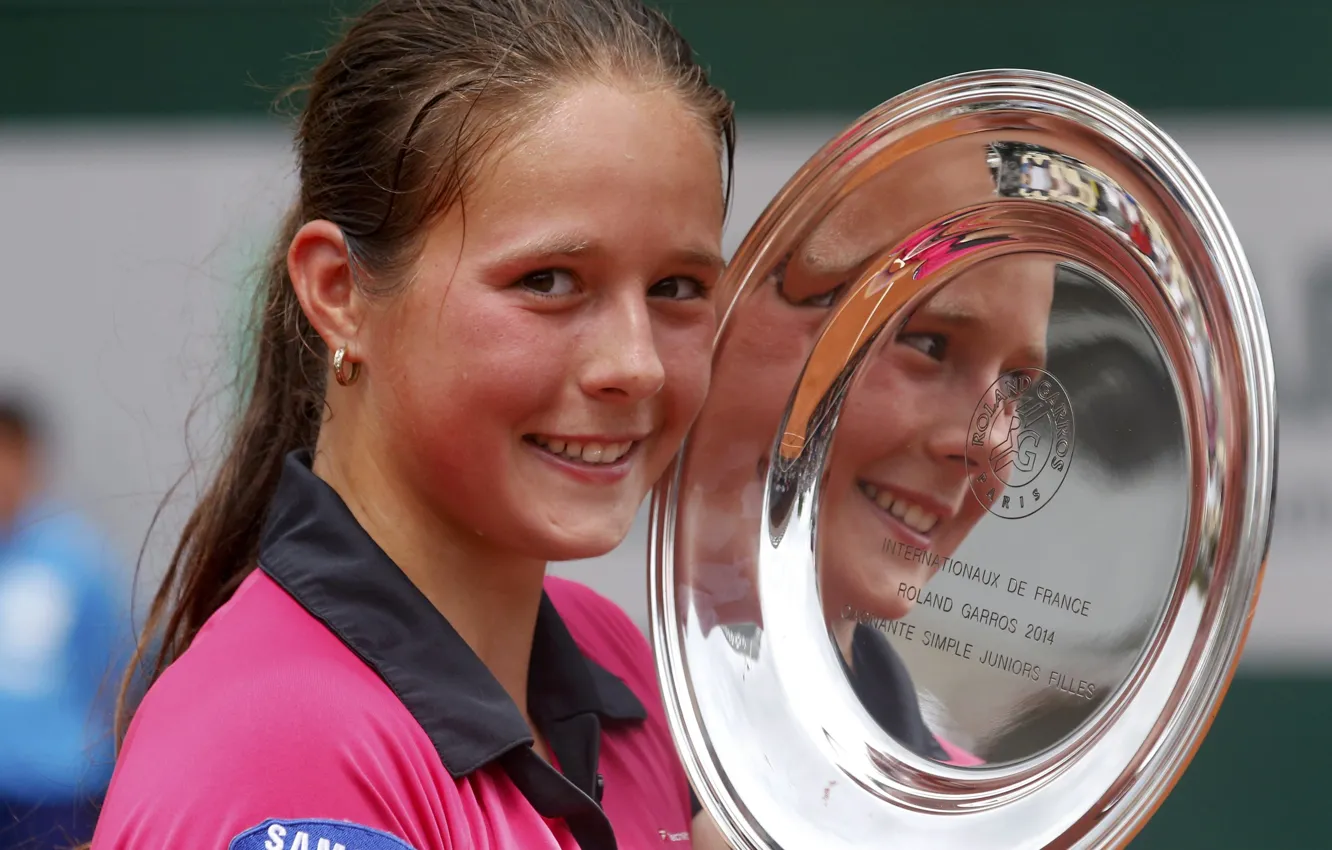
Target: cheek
{"x":950,"y":537}
{"x":686,"y":357}
{"x":968,"y":517}
{"x":882,"y":416}
{"x":458,"y":372}
{"x":748,"y":395}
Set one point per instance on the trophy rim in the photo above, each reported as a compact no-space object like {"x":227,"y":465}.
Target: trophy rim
{"x":1216,"y":645}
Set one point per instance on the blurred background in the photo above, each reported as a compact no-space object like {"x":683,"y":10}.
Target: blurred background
{"x":142,"y":169}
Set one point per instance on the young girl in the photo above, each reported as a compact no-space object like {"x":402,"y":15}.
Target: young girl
{"x":485,"y":332}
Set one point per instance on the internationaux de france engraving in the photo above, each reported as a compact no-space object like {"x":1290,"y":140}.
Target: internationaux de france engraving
{"x":992,"y":614}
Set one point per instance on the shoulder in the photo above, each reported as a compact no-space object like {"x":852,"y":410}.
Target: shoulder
{"x":958,"y":756}
{"x":269,"y":716}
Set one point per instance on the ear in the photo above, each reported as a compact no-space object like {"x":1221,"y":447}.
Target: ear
{"x":321,"y":274}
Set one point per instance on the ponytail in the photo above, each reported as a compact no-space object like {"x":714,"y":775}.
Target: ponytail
{"x":285,"y":372}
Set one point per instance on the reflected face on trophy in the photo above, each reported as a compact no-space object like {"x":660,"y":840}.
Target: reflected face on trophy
{"x":897,"y":472}
{"x":897,"y":469}
{"x":897,"y":480}
{"x":771,"y":333}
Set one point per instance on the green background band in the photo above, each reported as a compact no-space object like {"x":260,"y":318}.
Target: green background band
{"x":120,"y":58}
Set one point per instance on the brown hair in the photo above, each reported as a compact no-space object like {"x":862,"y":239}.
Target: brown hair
{"x":396,"y":119}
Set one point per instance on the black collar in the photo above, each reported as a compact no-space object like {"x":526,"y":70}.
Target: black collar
{"x":884,"y":686}
{"x":313,"y":547}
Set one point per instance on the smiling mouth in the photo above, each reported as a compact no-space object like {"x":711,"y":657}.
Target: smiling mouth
{"x":590,"y":453}
{"x":905,"y":511}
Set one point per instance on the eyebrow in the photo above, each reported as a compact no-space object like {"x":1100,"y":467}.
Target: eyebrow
{"x":820,"y":261}
{"x":961,"y":317}
{"x":948,"y":314}
{"x":700,"y":257}
{"x":573,"y":245}
{"x":549,"y":245}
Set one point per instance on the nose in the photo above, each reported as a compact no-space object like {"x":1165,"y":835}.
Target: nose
{"x":621,"y":359}
{"x":970,"y":416}
{"x":946,"y":442}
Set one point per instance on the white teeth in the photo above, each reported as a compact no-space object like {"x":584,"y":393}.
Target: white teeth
{"x":912,"y":515}
{"x":596,"y":453}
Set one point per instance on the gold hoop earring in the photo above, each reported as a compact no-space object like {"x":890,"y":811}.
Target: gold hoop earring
{"x":340,"y":370}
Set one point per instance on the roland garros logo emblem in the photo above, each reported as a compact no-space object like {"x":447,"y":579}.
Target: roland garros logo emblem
{"x":1020,"y":443}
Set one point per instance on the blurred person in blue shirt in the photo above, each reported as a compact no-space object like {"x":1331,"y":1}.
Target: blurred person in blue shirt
{"x":63,"y":641}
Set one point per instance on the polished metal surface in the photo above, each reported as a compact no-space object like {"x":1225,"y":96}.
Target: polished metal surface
{"x":962,"y":550}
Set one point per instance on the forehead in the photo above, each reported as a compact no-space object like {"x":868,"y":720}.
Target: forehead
{"x":1012,"y":292}
{"x":625,"y":172}
{"x":905,"y":196}
{"x":607,"y":134}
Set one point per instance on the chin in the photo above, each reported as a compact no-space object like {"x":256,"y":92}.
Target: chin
{"x":875,"y":595}
{"x":883,"y":606}
{"x":590,"y":540}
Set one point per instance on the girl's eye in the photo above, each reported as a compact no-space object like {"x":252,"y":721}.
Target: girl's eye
{"x":550,"y":283}
{"x":934,"y":346}
{"x":676,"y":288}
{"x":824,"y":300}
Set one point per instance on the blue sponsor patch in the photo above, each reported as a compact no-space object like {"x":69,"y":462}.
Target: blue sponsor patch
{"x":315,"y":835}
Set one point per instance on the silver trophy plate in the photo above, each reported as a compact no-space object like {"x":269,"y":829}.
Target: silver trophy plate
{"x":963,"y":548}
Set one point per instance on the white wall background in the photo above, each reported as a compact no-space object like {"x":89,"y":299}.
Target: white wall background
{"x":124,"y":255}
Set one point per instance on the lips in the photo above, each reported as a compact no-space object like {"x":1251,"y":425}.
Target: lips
{"x":912,"y":514}
{"x":589,"y":451}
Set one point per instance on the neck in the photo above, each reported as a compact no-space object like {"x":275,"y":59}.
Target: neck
{"x":489,"y":595}
{"x":841,"y":622}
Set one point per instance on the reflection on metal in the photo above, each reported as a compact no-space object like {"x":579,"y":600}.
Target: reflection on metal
{"x":962,"y":549}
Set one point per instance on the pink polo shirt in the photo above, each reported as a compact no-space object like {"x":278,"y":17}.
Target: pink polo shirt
{"x":327,"y":705}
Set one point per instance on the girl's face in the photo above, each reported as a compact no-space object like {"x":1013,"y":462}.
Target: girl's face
{"x":897,"y":471}
{"x":553,"y":347}
{"x":898,"y":475}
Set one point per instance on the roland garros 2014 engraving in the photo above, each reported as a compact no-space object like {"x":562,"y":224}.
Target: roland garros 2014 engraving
{"x":1020,"y":443}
